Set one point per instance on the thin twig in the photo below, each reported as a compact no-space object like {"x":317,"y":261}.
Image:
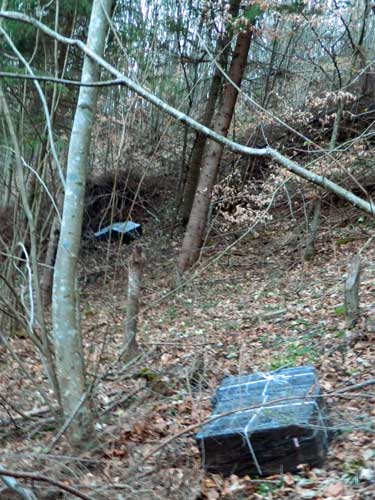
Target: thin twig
{"x":105,"y":83}
{"x":45,"y":479}
{"x":355,"y":386}
{"x":67,"y":422}
{"x":181,"y":343}
{"x":12,"y":484}
{"x":21,"y":364}
{"x":320,"y":180}
{"x":122,"y":400}
{"x":237,"y":410}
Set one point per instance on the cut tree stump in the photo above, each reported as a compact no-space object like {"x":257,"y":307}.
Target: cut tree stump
{"x":137,"y":261}
{"x":313,"y":230}
{"x":352,"y":292}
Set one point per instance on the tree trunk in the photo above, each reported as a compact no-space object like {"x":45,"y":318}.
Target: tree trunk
{"x":268,"y":152}
{"x":314,"y":227}
{"x":223,"y":46}
{"x":210,"y":164}
{"x":136,"y":264}
{"x":47,"y":277}
{"x":65,"y":307}
{"x":32,"y":261}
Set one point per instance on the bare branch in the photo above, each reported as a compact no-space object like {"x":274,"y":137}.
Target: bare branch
{"x":12,"y":484}
{"x":337,"y":393}
{"x":67,"y":422}
{"x":63,"y":81}
{"x":43,"y":101}
{"x":44,"y":479}
{"x":318,"y":180}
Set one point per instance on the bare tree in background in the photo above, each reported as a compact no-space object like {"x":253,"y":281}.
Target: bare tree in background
{"x":223,"y":49}
{"x":210,"y":164}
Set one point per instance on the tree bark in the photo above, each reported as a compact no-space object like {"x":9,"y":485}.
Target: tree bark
{"x":136,"y":264}
{"x":65,"y":307}
{"x":223,"y":46}
{"x":47,"y":277}
{"x":210,"y":164}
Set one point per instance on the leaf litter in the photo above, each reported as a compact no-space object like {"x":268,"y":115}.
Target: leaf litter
{"x":258,"y":309}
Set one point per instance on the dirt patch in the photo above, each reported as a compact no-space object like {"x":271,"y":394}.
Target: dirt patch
{"x":120,"y":196}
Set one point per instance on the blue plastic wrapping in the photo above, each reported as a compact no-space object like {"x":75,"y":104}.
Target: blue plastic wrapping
{"x":271,"y":423}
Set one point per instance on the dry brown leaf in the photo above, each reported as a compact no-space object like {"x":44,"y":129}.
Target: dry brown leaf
{"x":212,"y":495}
{"x":288,"y":479}
{"x":335,"y":490}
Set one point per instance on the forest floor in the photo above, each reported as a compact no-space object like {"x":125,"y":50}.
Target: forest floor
{"x":258,"y":307}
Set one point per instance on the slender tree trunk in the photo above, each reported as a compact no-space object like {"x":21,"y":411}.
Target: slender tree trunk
{"x":35,"y":297}
{"x":223,"y":46}
{"x":6,"y":180}
{"x":198,"y":149}
{"x":269,"y":152}
{"x":65,"y":307}
{"x":47,"y":277}
{"x":137,"y":261}
{"x":210,"y":165}
{"x":271,"y":69}
{"x":357,"y":52}
{"x":317,"y":207}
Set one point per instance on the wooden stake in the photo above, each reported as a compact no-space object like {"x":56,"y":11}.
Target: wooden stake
{"x":136,"y":264}
{"x":352,"y":292}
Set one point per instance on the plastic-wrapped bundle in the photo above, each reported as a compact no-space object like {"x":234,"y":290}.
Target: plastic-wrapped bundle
{"x":126,"y":231}
{"x":274,"y":422}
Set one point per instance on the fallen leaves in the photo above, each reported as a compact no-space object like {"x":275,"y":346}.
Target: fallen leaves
{"x":213,"y":318}
{"x":335,"y":490}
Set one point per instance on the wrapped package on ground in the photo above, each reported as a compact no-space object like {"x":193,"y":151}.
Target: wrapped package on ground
{"x":265,"y":423}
